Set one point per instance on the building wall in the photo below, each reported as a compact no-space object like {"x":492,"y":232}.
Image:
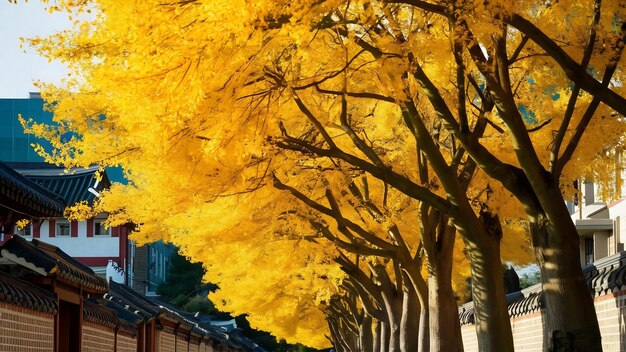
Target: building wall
{"x":528,"y":329}
{"x":601,"y":244}
{"x":159,"y":262}
{"x":81,"y":246}
{"x":528,"y":332}
{"x":97,"y":338}
{"x":181,"y":342}
{"x":94,"y":251}
{"x":126,"y":343}
{"x":140,"y":269}
{"x":470,"y":341}
{"x":25,"y":329}
{"x":150,"y":266}
{"x":14,"y":144}
{"x":167,"y":341}
{"x":194,"y":347}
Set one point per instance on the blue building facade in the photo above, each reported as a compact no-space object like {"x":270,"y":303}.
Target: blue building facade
{"x":14,"y":144}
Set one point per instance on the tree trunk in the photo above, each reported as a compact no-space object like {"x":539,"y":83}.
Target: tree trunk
{"x":423,"y":342}
{"x":409,"y":325}
{"x":366,"y":340}
{"x":377,"y":339}
{"x":384,"y":337}
{"x":392,"y":297}
{"x":338,"y":340}
{"x":570,"y":318}
{"x":491,"y":317}
{"x":414,"y":275}
{"x":394,"y":311}
{"x":445,"y":328}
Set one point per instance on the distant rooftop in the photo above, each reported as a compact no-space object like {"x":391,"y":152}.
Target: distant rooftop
{"x":26,"y":196}
{"x":73,"y":186}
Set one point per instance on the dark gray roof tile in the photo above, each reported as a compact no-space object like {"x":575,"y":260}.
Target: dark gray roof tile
{"x":25,"y":196}
{"x":21,"y":293}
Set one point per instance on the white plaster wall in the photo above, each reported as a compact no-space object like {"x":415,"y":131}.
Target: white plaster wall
{"x":82,"y":246}
{"x":600,"y":245}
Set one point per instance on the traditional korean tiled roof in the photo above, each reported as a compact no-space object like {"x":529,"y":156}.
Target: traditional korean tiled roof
{"x":122,"y":311}
{"x":132,"y":301}
{"x":73,"y":186}
{"x":49,"y":260}
{"x":25,"y":196}
{"x":122,"y":297}
{"x":21,"y":293}
{"x":250,"y":345}
{"x":100,"y":314}
{"x":605,"y":276}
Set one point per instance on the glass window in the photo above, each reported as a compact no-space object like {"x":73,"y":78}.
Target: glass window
{"x":24,"y":231}
{"x":588,"y":250}
{"x":99,"y":229}
{"x":63,"y":228}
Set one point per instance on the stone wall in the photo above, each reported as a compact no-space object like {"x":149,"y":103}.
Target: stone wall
{"x":181,"y":342}
{"x":25,"y":329}
{"x":97,"y":338}
{"x":166,"y":341}
{"x":126,"y":343}
{"x":528,"y":328}
{"x":606,"y":279}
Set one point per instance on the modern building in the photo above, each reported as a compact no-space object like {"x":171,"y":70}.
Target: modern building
{"x":149,"y":266}
{"x":601,"y":225}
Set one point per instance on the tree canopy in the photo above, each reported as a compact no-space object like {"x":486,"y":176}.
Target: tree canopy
{"x":248,"y":130}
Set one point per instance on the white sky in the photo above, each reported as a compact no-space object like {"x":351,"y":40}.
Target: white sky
{"x":20,"y":67}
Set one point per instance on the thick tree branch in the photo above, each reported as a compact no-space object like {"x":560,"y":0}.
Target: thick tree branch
{"x":505,"y":173}
{"x":370,"y":307}
{"x":358,"y":142}
{"x":399,"y":182}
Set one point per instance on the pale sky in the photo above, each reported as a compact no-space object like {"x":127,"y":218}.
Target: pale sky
{"x":20,"y":67}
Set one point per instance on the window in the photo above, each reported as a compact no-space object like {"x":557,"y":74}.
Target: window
{"x":99,"y":229}
{"x":24,"y":231}
{"x":588,"y":250}
{"x":63,"y":228}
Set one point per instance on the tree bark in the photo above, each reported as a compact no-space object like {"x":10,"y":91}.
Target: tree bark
{"x":409,"y":325}
{"x":366,"y":338}
{"x":445,"y":328}
{"x":393,"y":308}
{"x":376,"y":338}
{"x":491,"y":318}
{"x":413,"y":273}
{"x":423,"y":340}
{"x":569,"y":313}
{"x":384,"y":337}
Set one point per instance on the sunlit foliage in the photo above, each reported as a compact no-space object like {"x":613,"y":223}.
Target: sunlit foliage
{"x":197,"y":99}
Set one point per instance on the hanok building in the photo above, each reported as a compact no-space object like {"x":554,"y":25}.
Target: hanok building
{"x":51,"y":302}
{"x":107,"y":252}
{"x":46,"y":302}
{"x":104,"y":250}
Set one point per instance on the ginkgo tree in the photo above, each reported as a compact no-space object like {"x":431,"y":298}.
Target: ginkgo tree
{"x":206,"y":103}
